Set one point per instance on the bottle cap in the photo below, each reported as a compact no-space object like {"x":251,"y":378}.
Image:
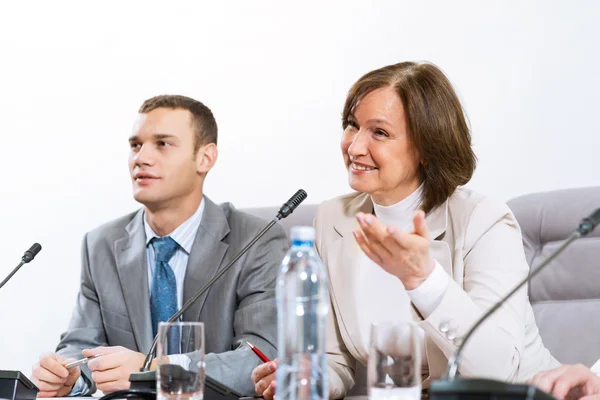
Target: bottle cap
{"x":302,"y":233}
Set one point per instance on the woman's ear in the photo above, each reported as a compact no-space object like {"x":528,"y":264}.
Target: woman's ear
{"x":206,"y":157}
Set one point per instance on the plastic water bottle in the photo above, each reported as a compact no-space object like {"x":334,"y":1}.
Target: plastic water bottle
{"x":302,"y":307}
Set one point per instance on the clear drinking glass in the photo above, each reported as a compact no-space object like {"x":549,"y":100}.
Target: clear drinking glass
{"x":394,"y":367}
{"x":180,"y":361}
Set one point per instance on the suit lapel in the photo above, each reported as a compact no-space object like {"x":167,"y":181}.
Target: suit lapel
{"x":343,"y":255}
{"x":206,"y":256}
{"x":132,"y":268}
{"x":437,"y":223}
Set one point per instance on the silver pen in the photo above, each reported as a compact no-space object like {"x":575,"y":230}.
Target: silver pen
{"x":82,"y":361}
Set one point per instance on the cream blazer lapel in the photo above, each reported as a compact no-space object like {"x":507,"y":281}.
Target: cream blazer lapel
{"x":440,"y":235}
{"x":342,"y":255}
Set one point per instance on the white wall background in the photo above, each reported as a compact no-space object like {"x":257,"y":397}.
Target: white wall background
{"x":72,"y":76}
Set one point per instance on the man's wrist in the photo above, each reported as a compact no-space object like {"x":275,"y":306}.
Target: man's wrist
{"x":78,"y":388}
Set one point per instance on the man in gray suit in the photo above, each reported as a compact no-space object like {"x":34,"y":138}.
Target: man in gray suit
{"x":139,"y":269}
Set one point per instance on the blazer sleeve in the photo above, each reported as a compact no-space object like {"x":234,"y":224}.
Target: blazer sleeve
{"x":255,"y":319}
{"x":494,"y":263}
{"x":341,"y":364}
{"x":86,"y":329}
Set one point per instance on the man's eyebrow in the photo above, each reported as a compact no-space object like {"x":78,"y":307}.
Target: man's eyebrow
{"x":156,"y":136}
{"x":160,"y":136}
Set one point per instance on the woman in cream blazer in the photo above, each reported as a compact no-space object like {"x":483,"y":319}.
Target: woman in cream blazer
{"x":478,"y":243}
{"x":413,"y":245}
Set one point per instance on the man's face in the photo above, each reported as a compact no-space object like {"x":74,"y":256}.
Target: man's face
{"x":163,"y":167}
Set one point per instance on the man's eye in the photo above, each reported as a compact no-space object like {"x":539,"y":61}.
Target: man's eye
{"x":162,"y":143}
{"x":134,"y":145}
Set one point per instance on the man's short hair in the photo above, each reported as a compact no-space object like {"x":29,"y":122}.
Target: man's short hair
{"x":203,"y":121}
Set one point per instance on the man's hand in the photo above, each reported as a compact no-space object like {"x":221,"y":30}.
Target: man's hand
{"x":52,"y":378}
{"x":111,"y":371}
{"x":263,"y":377}
{"x":569,"y":382}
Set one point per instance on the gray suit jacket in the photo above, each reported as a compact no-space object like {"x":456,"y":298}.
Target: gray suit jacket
{"x":113,"y":304}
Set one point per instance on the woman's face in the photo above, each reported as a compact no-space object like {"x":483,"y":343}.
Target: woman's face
{"x":379,"y":157}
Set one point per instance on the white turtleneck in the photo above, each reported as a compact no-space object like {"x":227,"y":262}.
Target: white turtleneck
{"x":429,"y":294}
{"x":384,"y":295}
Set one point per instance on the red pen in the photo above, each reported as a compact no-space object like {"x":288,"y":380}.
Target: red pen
{"x":258,"y":352}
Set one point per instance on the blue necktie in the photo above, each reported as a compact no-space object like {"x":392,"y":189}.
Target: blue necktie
{"x":163,"y":300}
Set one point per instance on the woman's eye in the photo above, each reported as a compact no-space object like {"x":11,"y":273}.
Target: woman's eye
{"x":380,"y":133}
{"x":350,"y":123}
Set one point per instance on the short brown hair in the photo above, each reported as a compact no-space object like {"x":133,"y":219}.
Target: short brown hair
{"x":203,"y":121}
{"x":437,"y":125}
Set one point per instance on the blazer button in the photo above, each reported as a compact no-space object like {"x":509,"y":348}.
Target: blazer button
{"x":451,"y":335}
{"x":444,"y":327}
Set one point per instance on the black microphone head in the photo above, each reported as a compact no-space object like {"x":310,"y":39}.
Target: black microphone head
{"x":589,"y":224}
{"x":32,"y":252}
{"x":289,"y":206}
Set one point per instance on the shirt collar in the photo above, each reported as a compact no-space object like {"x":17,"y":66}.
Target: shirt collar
{"x":184,"y":234}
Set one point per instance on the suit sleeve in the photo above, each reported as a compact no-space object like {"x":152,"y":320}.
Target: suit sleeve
{"x":494,"y":263}
{"x":85,"y":328}
{"x":341,"y":364}
{"x":255,"y":319}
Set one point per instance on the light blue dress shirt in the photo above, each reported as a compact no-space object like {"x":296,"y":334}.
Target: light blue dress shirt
{"x":184,"y":235}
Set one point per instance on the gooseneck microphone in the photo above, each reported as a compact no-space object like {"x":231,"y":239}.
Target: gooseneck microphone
{"x":143,"y":383}
{"x":286,"y":209}
{"x":586,"y":226}
{"x":27,"y":257}
{"x":450,"y":388}
{"x":289,"y":206}
{"x":14,"y":384}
